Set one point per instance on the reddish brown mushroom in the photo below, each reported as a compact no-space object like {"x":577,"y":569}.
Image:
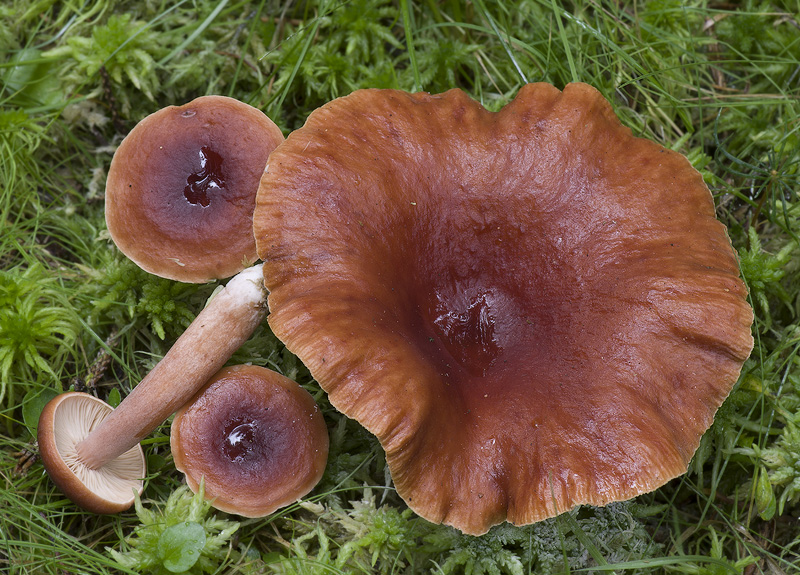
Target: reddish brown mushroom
{"x":532,"y":309}
{"x":256,"y":438}
{"x":181,"y":188}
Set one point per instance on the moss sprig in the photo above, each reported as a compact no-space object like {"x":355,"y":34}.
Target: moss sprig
{"x":37,"y":328}
{"x":122,"y":48}
{"x":763,"y":272}
{"x":127,"y":293}
{"x":181,"y":537}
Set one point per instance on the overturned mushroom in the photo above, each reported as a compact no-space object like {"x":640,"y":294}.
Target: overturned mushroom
{"x":101,"y":436}
{"x":64,"y":422}
{"x":255,"y":437}
{"x":532,"y":309}
{"x":181,"y":188}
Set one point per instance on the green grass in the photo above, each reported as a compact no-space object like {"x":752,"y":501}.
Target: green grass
{"x":718,"y":82}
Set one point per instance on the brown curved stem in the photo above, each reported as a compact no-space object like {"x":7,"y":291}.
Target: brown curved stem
{"x":217,"y":332}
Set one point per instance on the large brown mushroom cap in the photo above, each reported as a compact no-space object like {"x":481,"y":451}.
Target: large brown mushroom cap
{"x":256,"y":437}
{"x":65,"y":421}
{"x":532,"y":309}
{"x":181,"y":188}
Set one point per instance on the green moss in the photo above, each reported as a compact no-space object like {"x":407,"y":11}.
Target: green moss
{"x":37,"y":329}
{"x":763,"y":273}
{"x":126,"y":293}
{"x":123,"y":50}
{"x":179,"y":538}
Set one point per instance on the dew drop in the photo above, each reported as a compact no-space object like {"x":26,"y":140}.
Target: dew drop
{"x":469,"y":331}
{"x":239,"y":439}
{"x":201,"y":185}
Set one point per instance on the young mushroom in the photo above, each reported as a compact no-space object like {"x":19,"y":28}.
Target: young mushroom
{"x":181,"y":188}
{"x":80,"y":442}
{"x":532,"y":309}
{"x":256,"y":438}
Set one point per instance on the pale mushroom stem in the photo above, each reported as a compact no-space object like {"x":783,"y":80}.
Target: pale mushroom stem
{"x":217,"y":332}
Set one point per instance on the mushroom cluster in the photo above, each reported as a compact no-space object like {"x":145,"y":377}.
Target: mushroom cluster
{"x":532,"y":309}
{"x":179,"y":202}
{"x":84,"y":446}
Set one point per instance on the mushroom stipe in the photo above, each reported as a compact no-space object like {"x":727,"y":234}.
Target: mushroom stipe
{"x":532,"y":309}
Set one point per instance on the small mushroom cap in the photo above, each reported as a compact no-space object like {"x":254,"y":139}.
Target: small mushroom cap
{"x":181,"y":188}
{"x":532,"y":309}
{"x":257,"y":438}
{"x":65,"y":421}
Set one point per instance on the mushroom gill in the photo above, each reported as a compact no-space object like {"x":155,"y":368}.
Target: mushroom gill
{"x":532,"y":309}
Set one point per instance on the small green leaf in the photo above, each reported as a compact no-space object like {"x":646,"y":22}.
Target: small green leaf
{"x":114,"y":398}
{"x":271,"y":557}
{"x":180,"y":545}
{"x":155,"y":462}
{"x":32,"y":405}
{"x":31,"y":79}
{"x":765,"y":496}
